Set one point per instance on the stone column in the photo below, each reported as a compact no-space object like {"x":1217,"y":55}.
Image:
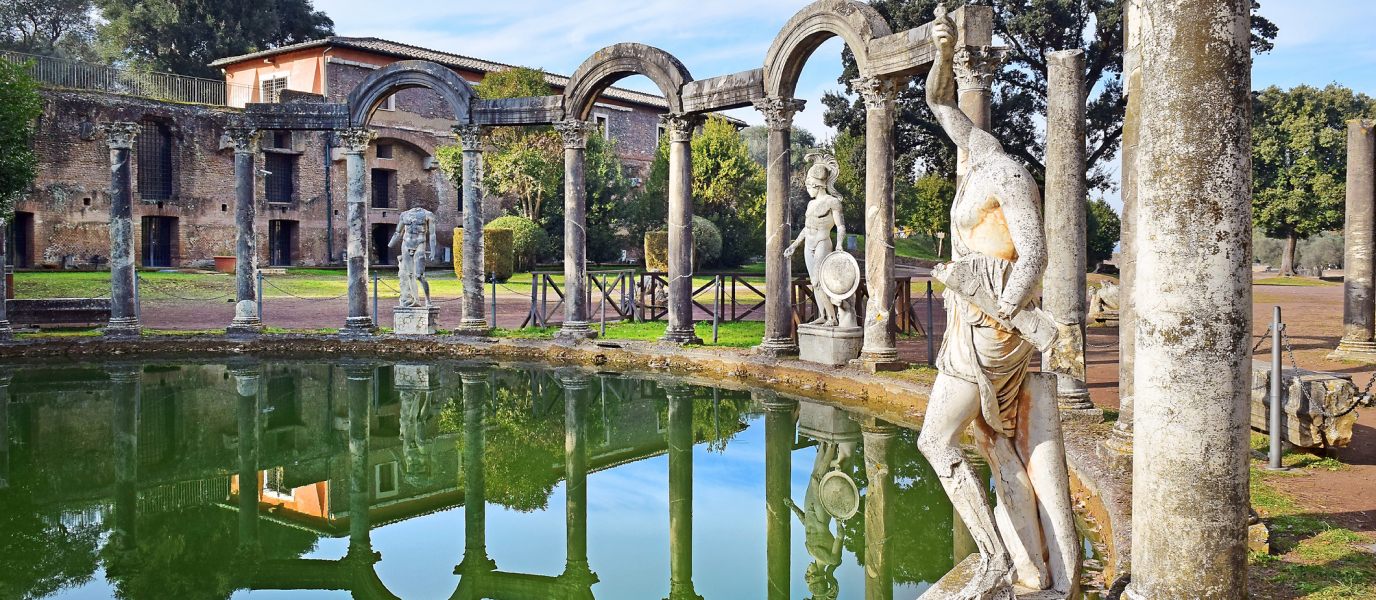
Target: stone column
{"x":475,"y":394}
{"x":355,"y":142}
{"x":878,"y":507}
{"x":246,"y":381}
{"x":680,"y":129}
{"x":1193,"y":397}
{"x":576,"y":570}
{"x":124,"y":321}
{"x":1359,"y":309}
{"x":246,"y":241}
{"x":474,"y":320}
{"x":1063,"y":283}
{"x":359,"y":389}
{"x":880,"y":350}
{"x":680,"y":438}
{"x":124,"y":382}
{"x":575,"y":327}
{"x":780,"y":431}
{"x":975,"y":67}
{"x":778,"y":226}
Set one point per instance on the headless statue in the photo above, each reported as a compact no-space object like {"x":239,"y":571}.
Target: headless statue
{"x":415,"y":228}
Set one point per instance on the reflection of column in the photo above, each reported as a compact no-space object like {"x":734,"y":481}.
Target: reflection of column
{"x":360,"y":388}
{"x":779,"y":434}
{"x":778,"y":315}
{"x":576,"y":569}
{"x":5,"y":375}
{"x":246,"y":382}
{"x":680,"y":492}
{"x":975,"y":68}
{"x":355,"y":142}
{"x":123,"y":314}
{"x":575,"y":134}
{"x":124,"y":382}
{"x":1194,"y":286}
{"x":246,"y":242}
{"x":878,"y":508}
{"x":680,"y":130}
{"x":1359,"y":311}
{"x":474,"y":320}
{"x":880,"y":350}
{"x":475,"y":392}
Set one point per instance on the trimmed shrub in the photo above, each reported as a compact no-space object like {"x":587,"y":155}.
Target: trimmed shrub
{"x":528,"y":239}
{"x":706,"y":242}
{"x":497,"y":255}
{"x":657,"y":251}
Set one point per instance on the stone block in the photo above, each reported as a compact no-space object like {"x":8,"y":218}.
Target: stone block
{"x":1317,"y":407}
{"x":829,"y":345}
{"x":415,"y":320}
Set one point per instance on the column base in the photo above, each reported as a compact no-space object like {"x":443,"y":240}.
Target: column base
{"x":681,"y":336}
{"x":1076,"y":407}
{"x":783,"y":347}
{"x":244,"y":326}
{"x":6,"y":332}
{"x":578,"y":574}
{"x":882,"y":360}
{"x":358,"y":327}
{"x":1354,"y":350}
{"x":575,"y":331}
{"x":1116,"y":450}
{"x":472,"y":328}
{"x":682,"y":591}
{"x":123,"y":327}
{"x":477,"y":563}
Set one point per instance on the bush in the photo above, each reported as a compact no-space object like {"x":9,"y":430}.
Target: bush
{"x":657,"y":251}
{"x":706,"y":241}
{"x":497,"y":255}
{"x":528,"y":239}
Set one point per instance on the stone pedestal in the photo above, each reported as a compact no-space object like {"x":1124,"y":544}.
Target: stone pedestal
{"x":415,"y":320}
{"x":245,"y":319}
{"x":830,"y":345}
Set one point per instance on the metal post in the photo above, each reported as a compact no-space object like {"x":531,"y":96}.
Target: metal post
{"x":544,"y":299}
{"x":493,"y":323}
{"x":717,"y":293}
{"x":1276,"y":391}
{"x":534,"y":313}
{"x":374,"y":298}
{"x":138,"y":302}
{"x":260,"y":296}
{"x":602,"y":305}
{"x":931,"y":327}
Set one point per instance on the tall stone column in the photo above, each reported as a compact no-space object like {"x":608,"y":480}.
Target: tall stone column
{"x":680,"y":436}
{"x":1193,"y":405}
{"x":1063,"y":283}
{"x":124,"y":381}
{"x":124,"y":321}
{"x":1359,"y":301}
{"x":475,"y":394}
{"x":975,"y":67}
{"x":355,"y":142}
{"x":474,"y":321}
{"x":359,"y":390}
{"x":681,"y":128}
{"x":780,"y":431}
{"x":576,"y":570}
{"x":246,"y":239}
{"x":878,"y":436}
{"x":1117,"y":448}
{"x":246,"y":382}
{"x":778,"y":226}
{"x":880,"y":350}
{"x":575,"y":327}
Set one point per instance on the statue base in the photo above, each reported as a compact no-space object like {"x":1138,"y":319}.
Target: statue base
{"x":415,"y":320}
{"x":829,"y":345}
{"x":952,"y":586}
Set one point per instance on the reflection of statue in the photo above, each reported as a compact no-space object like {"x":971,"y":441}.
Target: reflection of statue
{"x":816,"y":516}
{"x":998,"y":246}
{"x":823,"y":212}
{"x":415,"y":227}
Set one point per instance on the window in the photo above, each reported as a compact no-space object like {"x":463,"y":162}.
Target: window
{"x":281,"y":139}
{"x":659,"y":133}
{"x":601,"y":121}
{"x":280,"y":183}
{"x":386,"y":480}
{"x":274,"y":486}
{"x":384,"y":151}
{"x":155,"y":161}
{"x":389,"y":104}
{"x":384,"y":181}
{"x":272,"y":85}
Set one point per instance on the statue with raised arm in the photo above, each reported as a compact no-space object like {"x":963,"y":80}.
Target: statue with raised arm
{"x":416,"y":226}
{"x":998,"y":252}
{"x":823,"y":212}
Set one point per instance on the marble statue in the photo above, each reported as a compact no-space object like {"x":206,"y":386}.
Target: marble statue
{"x":1026,"y":543}
{"x":416,"y":226}
{"x":823,"y":213}
{"x":1103,"y":301}
{"x":821,"y":543}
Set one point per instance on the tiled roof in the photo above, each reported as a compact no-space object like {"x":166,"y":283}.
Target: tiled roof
{"x":453,"y":61}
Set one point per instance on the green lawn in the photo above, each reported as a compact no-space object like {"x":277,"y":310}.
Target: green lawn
{"x":1293,"y":281}
{"x":918,"y":246}
{"x":743,"y":334}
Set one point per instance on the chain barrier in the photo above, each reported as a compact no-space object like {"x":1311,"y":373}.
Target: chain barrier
{"x":1304,"y":393}
{"x":1101,"y":345}
{"x":274,"y":286}
{"x":143,"y":283}
{"x":1263,"y":339}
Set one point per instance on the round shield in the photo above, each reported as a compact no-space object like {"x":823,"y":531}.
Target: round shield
{"x":840,"y":275}
{"x":839,"y":495}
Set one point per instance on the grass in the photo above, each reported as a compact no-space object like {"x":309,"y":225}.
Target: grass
{"x":917,"y":246}
{"x":915,"y":372}
{"x":1292,"y":281}
{"x":743,"y":334}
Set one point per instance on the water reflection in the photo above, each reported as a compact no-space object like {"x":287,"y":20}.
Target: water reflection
{"x":206,"y":481}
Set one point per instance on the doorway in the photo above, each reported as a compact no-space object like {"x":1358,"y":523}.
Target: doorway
{"x":159,"y":236}
{"x":282,"y":242}
{"x":20,"y":240}
{"x":382,"y":233}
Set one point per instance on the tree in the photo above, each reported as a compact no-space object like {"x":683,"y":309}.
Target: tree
{"x":1104,"y":229}
{"x":801,"y":142}
{"x":61,"y":28}
{"x":1299,"y":161}
{"x":185,"y":36}
{"x":20,"y":106}
{"x":608,"y":205}
{"x":925,"y":205}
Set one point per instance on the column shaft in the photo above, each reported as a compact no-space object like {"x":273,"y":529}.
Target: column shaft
{"x":680,"y":436}
{"x":123,"y":311}
{"x":125,"y":388}
{"x":575,"y":134}
{"x":780,"y":431}
{"x":246,"y":385}
{"x":880,"y":350}
{"x":576,"y":480}
{"x":778,"y":275}
{"x":474,"y":319}
{"x":355,"y":142}
{"x":1118,"y":446}
{"x":1359,"y":312}
{"x":6,"y":333}
{"x":475,"y":394}
{"x":246,"y":238}
{"x":1193,"y":397}
{"x":681,"y":230}
{"x":359,"y":389}
{"x":878,"y":509}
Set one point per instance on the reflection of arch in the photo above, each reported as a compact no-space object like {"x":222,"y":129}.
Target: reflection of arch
{"x":856,"y":22}
{"x":614,"y":63}
{"x":401,"y":75}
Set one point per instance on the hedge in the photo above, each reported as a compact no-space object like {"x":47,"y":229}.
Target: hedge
{"x":497,"y":254}
{"x":528,"y":241}
{"x":657,"y":251}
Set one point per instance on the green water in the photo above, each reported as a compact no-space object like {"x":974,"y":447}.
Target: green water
{"x":446,"y":480}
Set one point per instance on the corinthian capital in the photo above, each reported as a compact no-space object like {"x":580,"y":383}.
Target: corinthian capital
{"x":778,"y":112}
{"x":879,"y":92}
{"x":120,"y":135}
{"x":245,"y":140}
{"x":681,"y":126}
{"x":355,"y":140}
{"x":975,"y":66}
{"x":472,"y":136}
{"x":575,"y":133}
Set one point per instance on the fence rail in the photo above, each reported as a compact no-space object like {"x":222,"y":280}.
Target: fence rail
{"x":71,"y":74}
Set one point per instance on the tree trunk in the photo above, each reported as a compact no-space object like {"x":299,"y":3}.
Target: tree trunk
{"x":1287,"y":257}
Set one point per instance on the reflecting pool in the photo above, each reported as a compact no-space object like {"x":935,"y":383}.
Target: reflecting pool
{"x":447,"y":480}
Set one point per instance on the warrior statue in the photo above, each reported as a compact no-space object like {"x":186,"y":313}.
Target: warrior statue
{"x":998,"y":255}
{"x":824,"y":546}
{"x":823,"y":212}
{"x":416,"y":226}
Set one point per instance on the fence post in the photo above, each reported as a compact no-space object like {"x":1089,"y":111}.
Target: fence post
{"x":717,"y":292}
{"x":1276,"y":390}
{"x":931,"y":327}
{"x":602,"y":306}
{"x":534,"y":315}
{"x":260,"y":295}
{"x":375,"y":321}
{"x":493,"y":324}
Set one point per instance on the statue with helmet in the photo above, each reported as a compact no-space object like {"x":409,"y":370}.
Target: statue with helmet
{"x":834,"y":337}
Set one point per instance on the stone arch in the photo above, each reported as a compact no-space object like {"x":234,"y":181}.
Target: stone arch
{"x":616,"y":62}
{"x":855,"y":22}
{"x":406,"y":74}
{"x":420,"y":143}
